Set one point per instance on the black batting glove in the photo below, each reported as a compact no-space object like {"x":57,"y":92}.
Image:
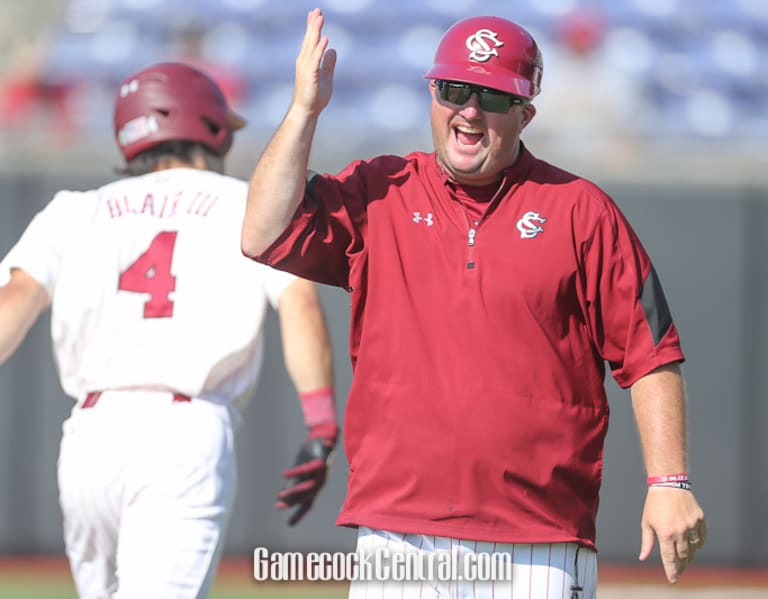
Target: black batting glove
{"x":309,"y":471}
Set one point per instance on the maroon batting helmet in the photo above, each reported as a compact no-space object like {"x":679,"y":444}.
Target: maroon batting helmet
{"x":172,"y":101}
{"x":490,"y":52}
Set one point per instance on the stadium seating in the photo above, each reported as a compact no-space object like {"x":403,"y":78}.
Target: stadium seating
{"x":698,"y":65}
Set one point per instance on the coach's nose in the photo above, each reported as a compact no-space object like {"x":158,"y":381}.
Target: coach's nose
{"x":472,"y":107}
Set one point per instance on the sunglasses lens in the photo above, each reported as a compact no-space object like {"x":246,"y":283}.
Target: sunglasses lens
{"x":493,"y":102}
{"x":455,"y":93}
{"x":459,"y":94}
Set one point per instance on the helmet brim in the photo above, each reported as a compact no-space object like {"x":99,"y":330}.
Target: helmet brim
{"x":236,"y":121}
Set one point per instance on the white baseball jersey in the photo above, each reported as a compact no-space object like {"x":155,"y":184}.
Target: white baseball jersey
{"x":133,"y":266}
{"x":151,"y":297}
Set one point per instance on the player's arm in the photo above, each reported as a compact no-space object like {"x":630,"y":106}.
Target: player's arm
{"x":22,"y":300}
{"x":277,"y":182}
{"x":309,"y":361}
{"x":306,"y":341}
{"x":671,"y":515}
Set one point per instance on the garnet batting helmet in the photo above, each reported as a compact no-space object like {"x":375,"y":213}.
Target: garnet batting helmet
{"x":491,"y":52}
{"x":172,"y":101}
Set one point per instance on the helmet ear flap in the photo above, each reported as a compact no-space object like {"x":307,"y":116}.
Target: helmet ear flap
{"x":220,"y":133}
{"x":213,"y":127}
{"x":492,"y":52}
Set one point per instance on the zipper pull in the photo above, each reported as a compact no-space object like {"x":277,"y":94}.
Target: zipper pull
{"x":471,"y":244}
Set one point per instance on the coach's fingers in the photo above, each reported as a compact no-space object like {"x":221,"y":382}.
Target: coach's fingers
{"x":694,"y":540}
{"x":691,"y":554}
{"x":312,"y":33}
{"x":314,"y":67}
{"x":698,"y":535}
{"x":646,"y":542}
{"x":684,"y":553}
{"x":327,"y":67}
{"x":674,"y":557}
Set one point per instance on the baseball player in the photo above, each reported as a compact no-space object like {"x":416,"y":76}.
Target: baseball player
{"x":489,"y":289}
{"x":157,"y":329}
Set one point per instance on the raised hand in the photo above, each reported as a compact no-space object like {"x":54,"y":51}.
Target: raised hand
{"x":315,"y":65}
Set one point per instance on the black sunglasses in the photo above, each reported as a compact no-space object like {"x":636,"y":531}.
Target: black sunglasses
{"x":491,"y":100}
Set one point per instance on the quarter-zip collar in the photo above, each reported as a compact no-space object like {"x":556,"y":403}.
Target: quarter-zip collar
{"x":477,"y":203}
{"x":490,"y":194}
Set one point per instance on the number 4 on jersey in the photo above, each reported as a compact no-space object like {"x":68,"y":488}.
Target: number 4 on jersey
{"x":151,"y":273}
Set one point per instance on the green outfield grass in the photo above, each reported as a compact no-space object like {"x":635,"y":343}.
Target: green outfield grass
{"x":49,"y":578}
{"x":37,"y":590}
{"x":30,"y":588}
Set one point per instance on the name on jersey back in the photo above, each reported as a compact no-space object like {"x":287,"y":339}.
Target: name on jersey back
{"x":159,"y":206}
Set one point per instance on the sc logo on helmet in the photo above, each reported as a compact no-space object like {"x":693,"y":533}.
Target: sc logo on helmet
{"x":480,"y":45}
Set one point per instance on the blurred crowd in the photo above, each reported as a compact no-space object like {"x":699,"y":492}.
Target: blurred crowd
{"x":616,"y":74}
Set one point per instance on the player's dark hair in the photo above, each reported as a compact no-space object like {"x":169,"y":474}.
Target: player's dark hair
{"x":185,"y":151}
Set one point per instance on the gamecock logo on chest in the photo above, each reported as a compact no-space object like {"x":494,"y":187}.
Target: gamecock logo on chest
{"x":530,"y":225}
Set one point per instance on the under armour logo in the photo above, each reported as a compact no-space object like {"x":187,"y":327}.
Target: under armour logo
{"x":427,"y":219}
{"x":481,"y":49}
{"x":529,"y":225}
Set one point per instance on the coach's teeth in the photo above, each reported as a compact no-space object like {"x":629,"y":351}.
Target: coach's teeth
{"x":469,"y":130}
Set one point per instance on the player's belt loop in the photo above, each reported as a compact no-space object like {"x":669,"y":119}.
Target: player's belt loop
{"x":91,"y":399}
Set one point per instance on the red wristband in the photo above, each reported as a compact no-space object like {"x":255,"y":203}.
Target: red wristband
{"x":318,"y":406}
{"x":668,"y":478}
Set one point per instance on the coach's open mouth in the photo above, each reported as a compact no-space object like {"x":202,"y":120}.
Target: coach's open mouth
{"x":467,"y":136}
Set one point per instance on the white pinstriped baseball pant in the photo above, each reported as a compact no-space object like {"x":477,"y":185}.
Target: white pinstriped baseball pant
{"x":539,"y":571}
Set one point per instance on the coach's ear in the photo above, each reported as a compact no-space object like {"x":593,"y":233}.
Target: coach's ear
{"x":529,"y":111}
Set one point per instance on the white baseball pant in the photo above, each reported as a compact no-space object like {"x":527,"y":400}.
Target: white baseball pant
{"x":146,"y":487}
{"x":538,"y":571}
